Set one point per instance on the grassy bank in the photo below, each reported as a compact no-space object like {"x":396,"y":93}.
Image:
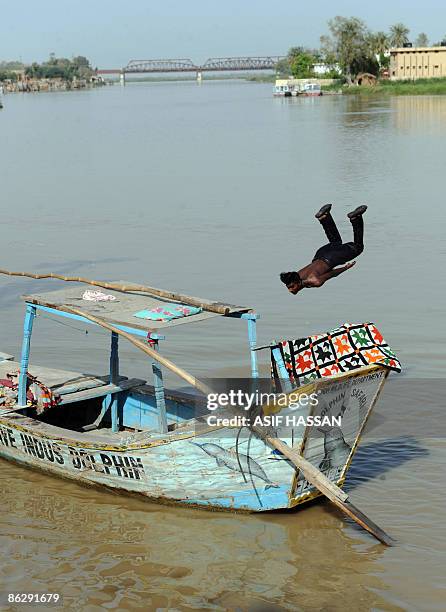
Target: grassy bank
{"x":419,"y":87}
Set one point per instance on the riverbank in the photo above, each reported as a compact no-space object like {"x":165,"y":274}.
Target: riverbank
{"x":271,"y":78}
{"x":36,"y":85}
{"x":428,"y":87}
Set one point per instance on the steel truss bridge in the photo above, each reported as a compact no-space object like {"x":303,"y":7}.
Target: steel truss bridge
{"x":215,"y":64}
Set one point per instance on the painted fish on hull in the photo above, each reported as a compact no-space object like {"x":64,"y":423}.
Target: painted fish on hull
{"x":237,"y":462}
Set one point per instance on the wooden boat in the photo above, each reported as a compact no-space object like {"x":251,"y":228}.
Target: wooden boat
{"x":126,"y":435}
{"x":311,"y":90}
{"x":296,"y":87}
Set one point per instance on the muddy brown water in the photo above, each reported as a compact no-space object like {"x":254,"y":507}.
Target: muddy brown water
{"x":211,"y":190}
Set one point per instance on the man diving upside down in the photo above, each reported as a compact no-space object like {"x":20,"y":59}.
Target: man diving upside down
{"x":335,"y":253}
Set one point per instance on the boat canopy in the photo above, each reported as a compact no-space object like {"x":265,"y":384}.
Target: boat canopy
{"x":133,"y":311}
{"x":122,"y":310}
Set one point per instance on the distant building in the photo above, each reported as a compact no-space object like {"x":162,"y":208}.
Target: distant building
{"x":320,"y":69}
{"x":417,"y":63}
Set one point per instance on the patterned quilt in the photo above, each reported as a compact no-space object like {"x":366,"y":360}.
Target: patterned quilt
{"x":343,"y":349}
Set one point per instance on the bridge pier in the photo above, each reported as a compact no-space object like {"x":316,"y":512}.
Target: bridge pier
{"x":199,"y":76}
{"x":122,"y":78}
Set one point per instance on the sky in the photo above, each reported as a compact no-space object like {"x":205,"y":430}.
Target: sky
{"x":111,"y":32}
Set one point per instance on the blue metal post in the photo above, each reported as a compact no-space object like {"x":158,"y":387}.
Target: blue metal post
{"x":114,"y":376}
{"x":27,"y":331}
{"x":252,"y":336}
{"x":159,"y":393}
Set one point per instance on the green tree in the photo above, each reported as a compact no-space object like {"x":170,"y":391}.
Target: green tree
{"x":12,"y":65}
{"x":61,"y":67}
{"x":35,"y":71}
{"x":294,"y":52}
{"x":379,"y":43}
{"x":7,"y":75}
{"x":299,"y":62}
{"x":422,"y":40}
{"x":283,"y":67}
{"x":399,"y":35}
{"x":82,"y":67}
{"x":302,"y":65}
{"x":349,"y":44}
{"x":81,"y":60}
{"x":328,"y":53}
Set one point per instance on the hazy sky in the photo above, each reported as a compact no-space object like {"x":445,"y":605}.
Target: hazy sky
{"x":110,"y":32}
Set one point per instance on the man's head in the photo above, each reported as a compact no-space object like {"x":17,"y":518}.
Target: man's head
{"x":292,"y":281}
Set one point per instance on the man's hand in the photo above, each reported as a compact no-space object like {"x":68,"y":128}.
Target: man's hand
{"x":337,"y":271}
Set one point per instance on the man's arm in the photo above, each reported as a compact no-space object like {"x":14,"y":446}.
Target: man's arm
{"x":336,"y":272}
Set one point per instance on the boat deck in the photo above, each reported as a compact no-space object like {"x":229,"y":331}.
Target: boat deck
{"x":72,"y":386}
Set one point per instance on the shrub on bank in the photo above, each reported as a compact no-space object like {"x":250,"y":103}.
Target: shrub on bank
{"x":435,"y":86}
{"x":8,"y":75}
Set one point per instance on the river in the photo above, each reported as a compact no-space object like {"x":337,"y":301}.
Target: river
{"x":211,"y":190}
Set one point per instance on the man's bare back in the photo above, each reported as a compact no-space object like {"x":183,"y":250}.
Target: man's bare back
{"x":323,"y":267}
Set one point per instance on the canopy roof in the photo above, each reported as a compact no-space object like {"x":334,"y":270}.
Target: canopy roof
{"x":122,"y":310}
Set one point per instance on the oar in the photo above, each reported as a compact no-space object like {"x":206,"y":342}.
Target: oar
{"x":223,"y":309}
{"x":311,"y":473}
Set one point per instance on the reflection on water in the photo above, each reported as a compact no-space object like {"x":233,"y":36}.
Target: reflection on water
{"x":425,"y":114}
{"x":212,"y":191}
{"x":360,"y":113}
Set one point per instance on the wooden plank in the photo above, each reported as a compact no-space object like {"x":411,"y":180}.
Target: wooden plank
{"x":101,"y":391}
{"x":83,"y":384}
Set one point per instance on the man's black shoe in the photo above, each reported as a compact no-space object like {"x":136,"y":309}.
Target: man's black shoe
{"x":357,"y":212}
{"x":323,"y":211}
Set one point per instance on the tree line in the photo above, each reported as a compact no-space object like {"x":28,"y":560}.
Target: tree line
{"x":61,"y":67}
{"x":55,"y":67}
{"x":349,"y":48}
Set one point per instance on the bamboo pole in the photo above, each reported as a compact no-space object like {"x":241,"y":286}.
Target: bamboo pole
{"x":311,"y":472}
{"x":222,"y":309}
